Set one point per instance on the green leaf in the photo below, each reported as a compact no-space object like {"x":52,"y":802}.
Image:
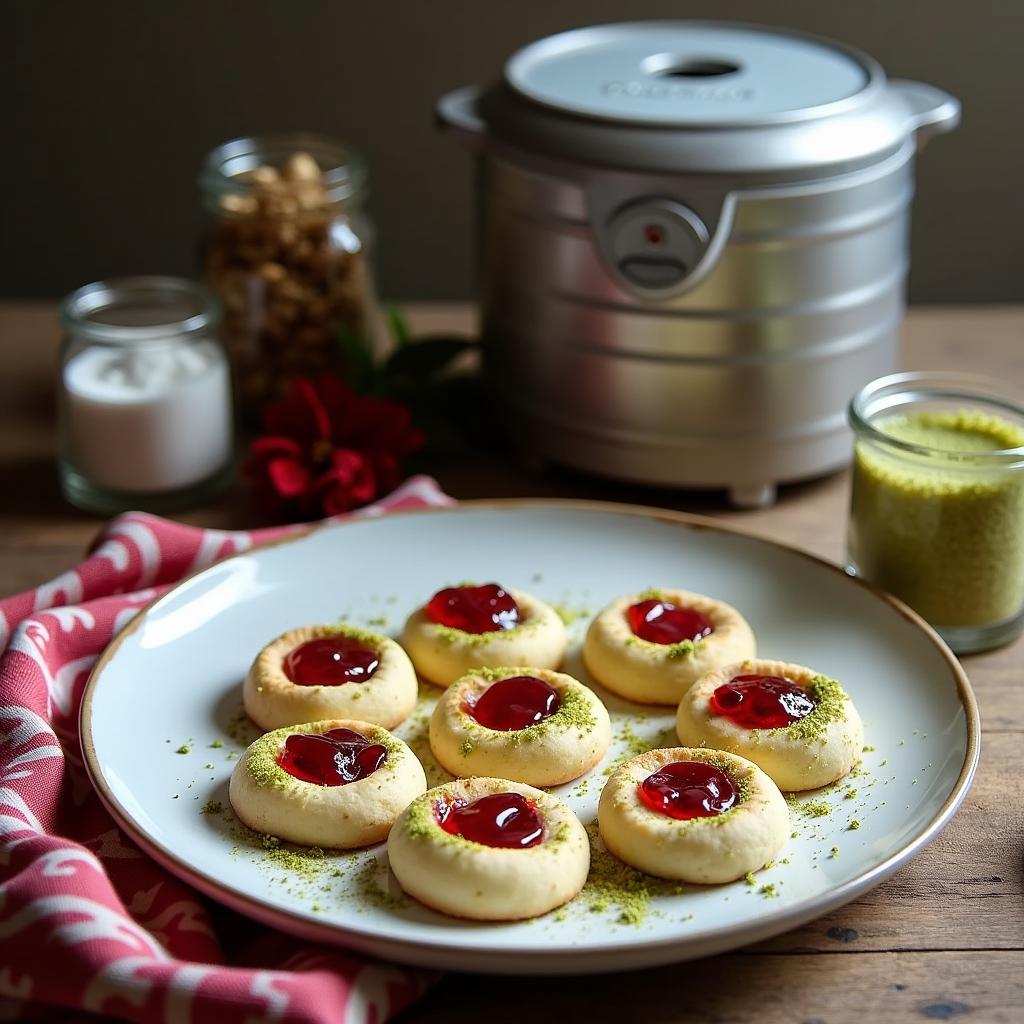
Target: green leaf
{"x":398,"y":325}
{"x":425,"y":358}
{"x":360,"y":372}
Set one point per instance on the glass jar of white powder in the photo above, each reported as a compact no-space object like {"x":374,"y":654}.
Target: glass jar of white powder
{"x":145,"y":396}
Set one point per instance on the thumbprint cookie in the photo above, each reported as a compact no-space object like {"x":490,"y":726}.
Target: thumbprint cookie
{"x":650,"y":647}
{"x":798,"y":725}
{"x":693,"y":815}
{"x":338,"y":783}
{"x":489,"y":850}
{"x":319,"y":672}
{"x":532,"y":725}
{"x":466,"y":627}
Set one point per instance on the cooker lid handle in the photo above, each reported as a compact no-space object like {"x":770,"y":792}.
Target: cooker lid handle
{"x":457,"y":112}
{"x":931,"y":110}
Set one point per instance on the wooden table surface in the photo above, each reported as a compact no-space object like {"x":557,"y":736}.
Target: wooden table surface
{"x":942,"y":939}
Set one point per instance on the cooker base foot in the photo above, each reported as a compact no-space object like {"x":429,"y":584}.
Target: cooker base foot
{"x":752,"y":495}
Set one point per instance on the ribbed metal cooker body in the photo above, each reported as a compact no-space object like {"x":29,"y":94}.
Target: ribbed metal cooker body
{"x":693,"y":245}
{"x":740,"y":381}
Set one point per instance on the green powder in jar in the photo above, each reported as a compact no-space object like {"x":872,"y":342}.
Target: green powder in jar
{"x":945,"y":534}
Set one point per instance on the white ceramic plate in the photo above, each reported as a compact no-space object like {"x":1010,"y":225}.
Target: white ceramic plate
{"x":182,"y":661}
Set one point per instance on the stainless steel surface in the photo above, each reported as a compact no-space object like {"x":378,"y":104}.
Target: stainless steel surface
{"x":741,"y":379}
{"x":689,"y":295}
{"x":690,"y":73}
{"x":703,"y":97}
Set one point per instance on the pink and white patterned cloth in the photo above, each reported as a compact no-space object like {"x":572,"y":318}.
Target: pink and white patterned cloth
{"x":87,"y":921}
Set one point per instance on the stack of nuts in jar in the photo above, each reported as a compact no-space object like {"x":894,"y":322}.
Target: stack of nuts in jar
{"x":285,"y":256}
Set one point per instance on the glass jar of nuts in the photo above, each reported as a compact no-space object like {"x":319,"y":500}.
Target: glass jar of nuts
{"x":287,"y":253}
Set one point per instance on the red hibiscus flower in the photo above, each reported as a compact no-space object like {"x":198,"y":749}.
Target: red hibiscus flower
{"x":328,"y":450}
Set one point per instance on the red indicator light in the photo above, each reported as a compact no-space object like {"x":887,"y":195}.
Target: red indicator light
{"x":653,"y":234}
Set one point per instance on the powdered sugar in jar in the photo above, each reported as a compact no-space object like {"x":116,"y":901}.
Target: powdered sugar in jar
{"x":145,"y":396}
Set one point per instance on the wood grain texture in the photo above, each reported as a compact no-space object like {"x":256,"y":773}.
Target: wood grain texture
{"x":744,"y":988}
{"x":942,"y":939}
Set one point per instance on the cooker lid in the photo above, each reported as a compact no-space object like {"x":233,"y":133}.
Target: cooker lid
{"x":751,"y":105}
{"x":690,"y":74}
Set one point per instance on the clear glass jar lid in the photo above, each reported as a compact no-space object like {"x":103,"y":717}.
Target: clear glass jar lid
{"x":134,"y":310}
{"x":228,"y":168}
{"x":974,"y":404}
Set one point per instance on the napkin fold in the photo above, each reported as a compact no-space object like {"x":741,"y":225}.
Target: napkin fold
{"x":87,"y":921}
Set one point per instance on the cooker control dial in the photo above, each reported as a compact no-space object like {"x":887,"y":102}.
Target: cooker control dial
{"x":656,"y":243}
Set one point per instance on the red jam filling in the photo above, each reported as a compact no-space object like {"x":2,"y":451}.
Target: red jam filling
{"x":483,"y":609}
{"x":515,"y":703}
{"x":689,"y":789}
{"x":333,"y":758}
{"x":331,"y":661}
{"x":505,"y":820}
{"x":662,"y":622}
{"x":761,"y":702}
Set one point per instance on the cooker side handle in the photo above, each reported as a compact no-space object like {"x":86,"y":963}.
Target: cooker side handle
{"x":457,"y":112}
{"x":931,"y":111}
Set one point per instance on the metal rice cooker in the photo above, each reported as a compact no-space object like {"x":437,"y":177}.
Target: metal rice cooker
{"x":693,"y":245}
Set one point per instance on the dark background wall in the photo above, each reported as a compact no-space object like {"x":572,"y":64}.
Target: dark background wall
{"x":110,"y":107}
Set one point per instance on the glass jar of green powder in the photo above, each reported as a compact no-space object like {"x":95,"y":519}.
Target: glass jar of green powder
{"x":937,"y":508}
